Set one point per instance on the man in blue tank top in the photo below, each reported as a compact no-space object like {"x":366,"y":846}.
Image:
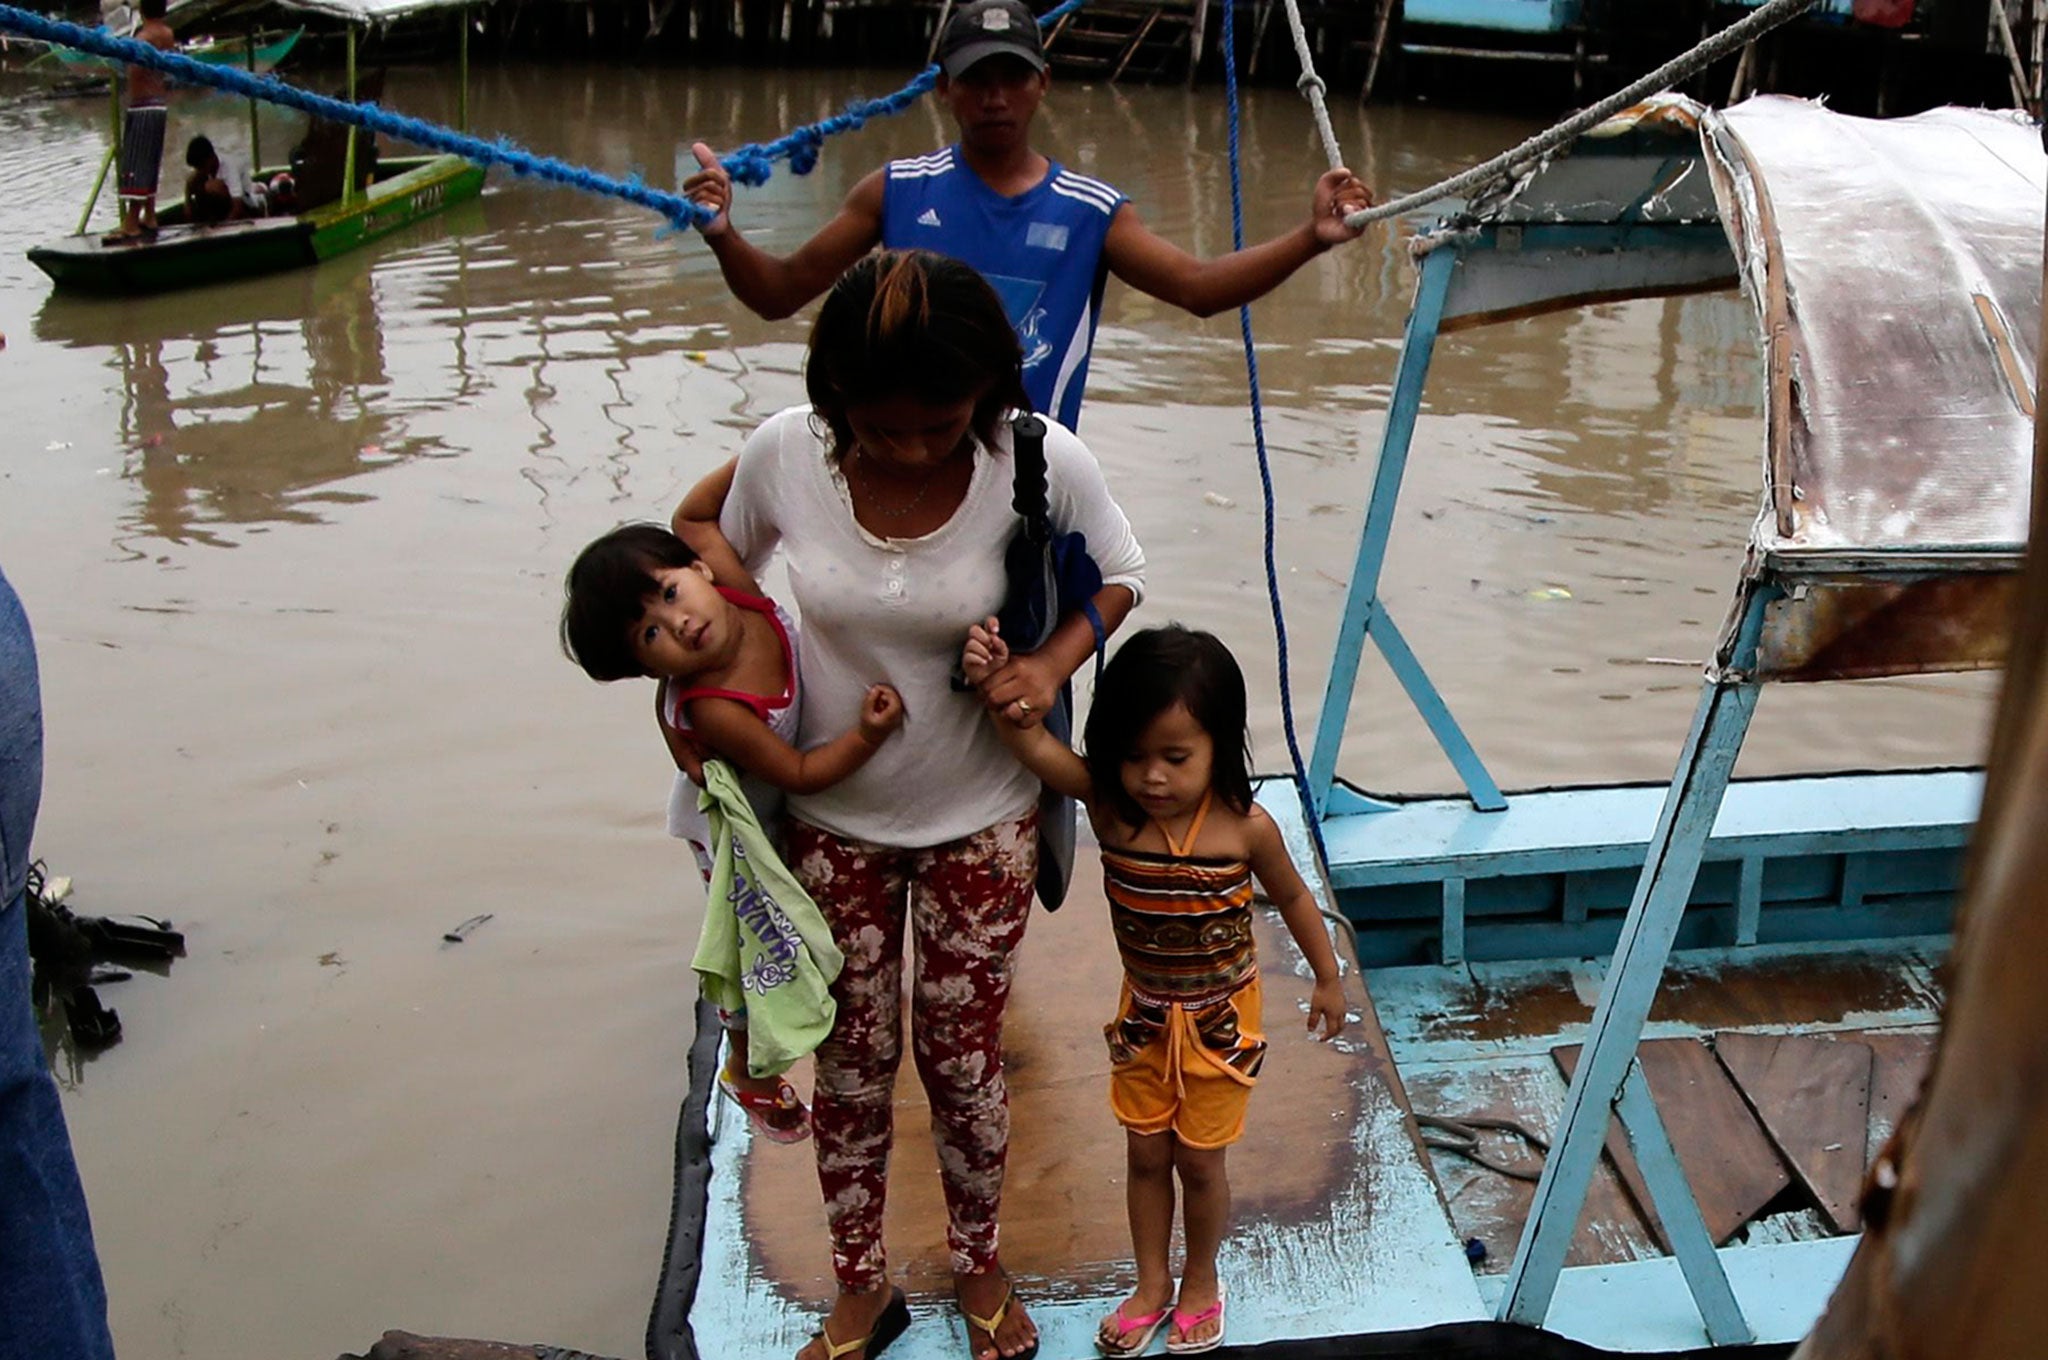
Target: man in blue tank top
{"x":1046,"y":237}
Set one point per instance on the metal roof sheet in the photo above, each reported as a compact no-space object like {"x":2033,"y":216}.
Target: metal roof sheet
{"x":1895,"y":267}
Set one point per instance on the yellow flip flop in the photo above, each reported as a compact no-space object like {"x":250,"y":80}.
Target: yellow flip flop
{"x":893,"y":1322}
{"x":990,"y":1323}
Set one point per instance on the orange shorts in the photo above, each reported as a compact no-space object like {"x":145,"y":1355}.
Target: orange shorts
{"x":1187,"y":1069}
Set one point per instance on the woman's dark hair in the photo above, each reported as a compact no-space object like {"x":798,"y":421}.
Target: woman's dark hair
{"x":915,"y":324}
{"x":1149,"y":674}
{"x":608,"y":588}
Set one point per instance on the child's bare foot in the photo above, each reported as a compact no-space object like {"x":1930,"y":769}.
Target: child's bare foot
{"x":1130,"y":1327}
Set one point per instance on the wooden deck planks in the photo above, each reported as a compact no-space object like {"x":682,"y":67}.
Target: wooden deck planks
{"x":1812,"y":1097}
{"x":1064,"y":1231}
{"x":1900,"y":1063}
{"x":1730,"y":1165}
{"x":1492,"y":1207}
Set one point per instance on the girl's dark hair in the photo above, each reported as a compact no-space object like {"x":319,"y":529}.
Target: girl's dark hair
{"x":916,"y":324}
{"x":608,"y":588}
{"x":1150,"y":673}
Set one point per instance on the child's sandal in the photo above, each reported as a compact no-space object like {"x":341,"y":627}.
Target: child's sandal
{"x":780,"y":1118}
{"x":1120,"y":1335}
{"x":1183,"y":1323}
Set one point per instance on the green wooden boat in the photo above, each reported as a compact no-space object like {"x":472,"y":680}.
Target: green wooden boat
{"x":184,"y":256}
{"x":355,"y":209}
{"x":212,"y":51}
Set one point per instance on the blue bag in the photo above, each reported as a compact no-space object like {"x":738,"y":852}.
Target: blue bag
{"x":1049,"y":575}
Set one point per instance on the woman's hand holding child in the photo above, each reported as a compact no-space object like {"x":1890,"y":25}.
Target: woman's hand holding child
{"x":1020,"y":686}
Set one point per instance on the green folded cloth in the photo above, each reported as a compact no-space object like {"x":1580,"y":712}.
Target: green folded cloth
{"x":765,"y":947}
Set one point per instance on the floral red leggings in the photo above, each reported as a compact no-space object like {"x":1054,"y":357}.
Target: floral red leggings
{"x":967,"y":902}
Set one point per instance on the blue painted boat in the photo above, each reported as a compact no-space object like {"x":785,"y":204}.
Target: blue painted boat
{"x":1898,"y":435}
{"x":1534,"y":963}
{"x":1498,"y":16}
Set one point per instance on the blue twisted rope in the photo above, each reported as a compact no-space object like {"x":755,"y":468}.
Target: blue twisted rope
{"x":754,"y":162}
{"x":751,"y":164}
{"x":1251,"y":373}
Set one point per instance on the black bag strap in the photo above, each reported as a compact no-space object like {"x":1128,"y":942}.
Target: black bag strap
{"x":1029,"y":499}
{"x":1028,"y":476}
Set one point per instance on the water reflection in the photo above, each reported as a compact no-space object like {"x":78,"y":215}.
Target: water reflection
{"x":245,"y":416}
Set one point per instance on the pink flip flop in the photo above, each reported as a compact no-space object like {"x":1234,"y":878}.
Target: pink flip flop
{"x":1187,"y":1322}
{"x":1133,"y":1334}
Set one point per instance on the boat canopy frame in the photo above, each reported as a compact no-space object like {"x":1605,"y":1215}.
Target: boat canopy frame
{"x":1900,"y":361}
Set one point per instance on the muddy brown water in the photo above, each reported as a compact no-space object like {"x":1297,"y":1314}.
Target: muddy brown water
{"x":293,"y":550}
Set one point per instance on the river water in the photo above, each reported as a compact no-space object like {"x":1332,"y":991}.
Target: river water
{"x":293,"y":549}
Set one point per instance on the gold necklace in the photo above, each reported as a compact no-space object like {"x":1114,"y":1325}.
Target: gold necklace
{"x":923,"y":490}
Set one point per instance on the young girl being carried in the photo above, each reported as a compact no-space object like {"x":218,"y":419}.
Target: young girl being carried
{"x":1165,"y":778}
{"x":642,"y":602}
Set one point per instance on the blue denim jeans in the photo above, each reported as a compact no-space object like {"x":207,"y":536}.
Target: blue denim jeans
{"x":52,"y":1303}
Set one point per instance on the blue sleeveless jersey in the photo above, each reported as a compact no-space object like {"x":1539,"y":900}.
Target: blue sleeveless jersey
{"x":1042,"y":250}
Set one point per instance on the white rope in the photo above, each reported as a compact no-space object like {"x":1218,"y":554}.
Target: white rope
{"x":1758,"y":22}
{"x":1311,"y":86}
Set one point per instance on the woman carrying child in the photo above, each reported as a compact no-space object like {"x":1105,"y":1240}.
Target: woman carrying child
{"x":1165,"y":778}
{"x":890,"y":495}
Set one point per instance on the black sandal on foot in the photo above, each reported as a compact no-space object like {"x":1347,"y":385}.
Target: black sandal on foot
{"x":893,"y":1322}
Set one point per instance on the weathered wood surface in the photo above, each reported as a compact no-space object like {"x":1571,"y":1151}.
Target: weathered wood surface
{"x":1492,"y":1207}
{"x":1730,"y":1166}
{"x":1899,"y":1064}
{"x":1063,"y":1217}
{"x":1812,"y":1097}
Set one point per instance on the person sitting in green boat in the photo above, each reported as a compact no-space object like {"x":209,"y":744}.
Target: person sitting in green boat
{"x":209,"y":190}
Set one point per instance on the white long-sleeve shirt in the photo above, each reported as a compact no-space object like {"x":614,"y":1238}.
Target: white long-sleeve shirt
{"x":896,"y":611}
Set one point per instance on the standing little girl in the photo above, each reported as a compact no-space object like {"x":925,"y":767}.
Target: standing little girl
{"x":1166,"y":782}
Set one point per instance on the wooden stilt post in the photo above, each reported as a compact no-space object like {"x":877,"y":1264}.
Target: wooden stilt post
{"x":1265,"y":16}
{"x":255,"y":141}
{"x":348,"y":159}
{"x":2021,"y":98}
{"x":1741,"y":72}
{"x":1199,"y":32}
{"x":931,"y":54}
{"x":1379,"y":44}
{"x":2034,"y":48}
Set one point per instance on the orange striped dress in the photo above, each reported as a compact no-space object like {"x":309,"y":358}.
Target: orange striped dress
{"x":1186,"y":1044}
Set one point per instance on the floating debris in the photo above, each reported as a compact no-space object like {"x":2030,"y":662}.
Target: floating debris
{"x":461,"y":932}
{"x":67,"y":950}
